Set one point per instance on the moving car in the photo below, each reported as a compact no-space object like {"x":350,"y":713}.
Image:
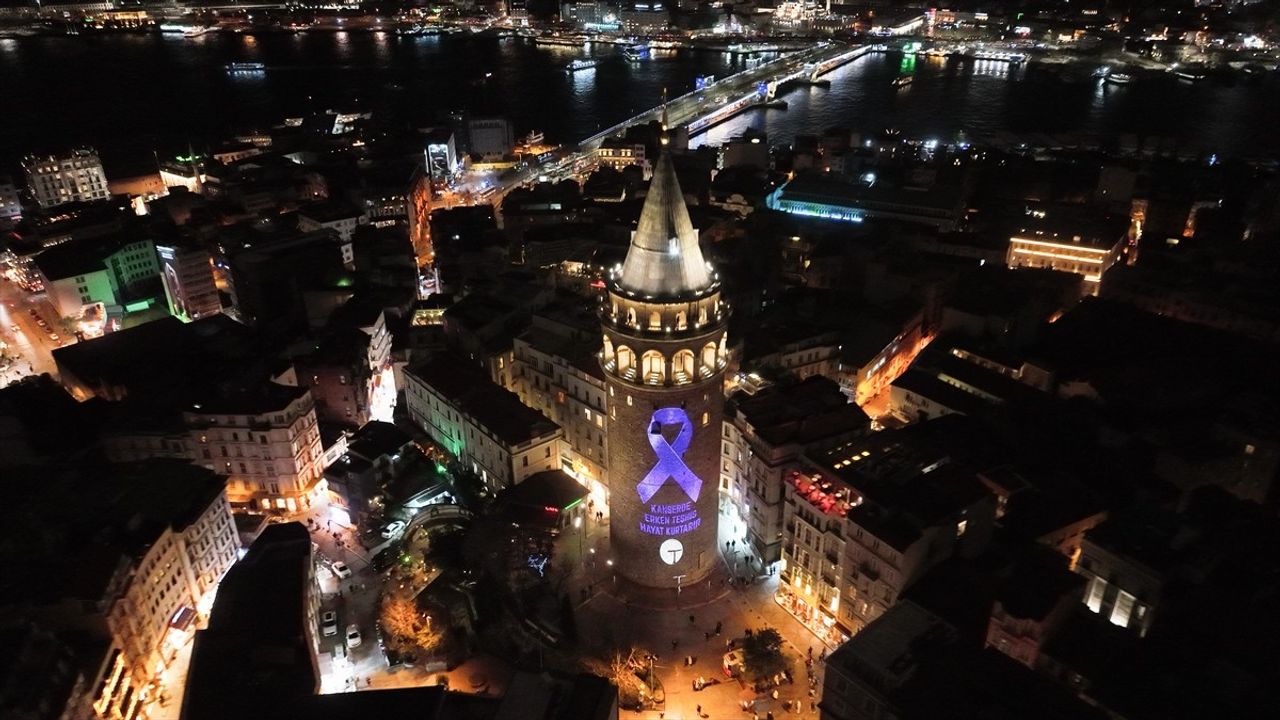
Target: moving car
{"x":54,"y":336}
{"x":329,"y":623}
{"x":341,"y":570}
{"x":353,"y":636}
{"x":15,"y":328}
{"x":392,"y":529}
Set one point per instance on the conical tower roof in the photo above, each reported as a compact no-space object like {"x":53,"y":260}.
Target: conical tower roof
{"x":664,"y":259}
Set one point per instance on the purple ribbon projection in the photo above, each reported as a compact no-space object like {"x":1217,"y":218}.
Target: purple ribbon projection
{"x":670,"y":462}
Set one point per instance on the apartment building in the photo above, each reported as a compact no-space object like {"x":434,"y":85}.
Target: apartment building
{"x":74,"y":176}
{"x":263,"y":438}
{"x":555,"y":371}
{"x":485,"y":427}
{"x":765,"y":432}
{"x":866,"y":519}
{"x":132,"y":568}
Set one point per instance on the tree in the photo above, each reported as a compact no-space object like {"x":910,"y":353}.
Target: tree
{"x":406,"y":626}
{"x":623,"y":669}
{"x":762,"y":653}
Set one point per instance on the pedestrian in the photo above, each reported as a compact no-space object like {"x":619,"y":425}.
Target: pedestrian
{"x":719,"y":627}
{"x":690,"y":619}
{"x":706,"y":636}
{"x":675,"y":644}
{"x":699,"y":710}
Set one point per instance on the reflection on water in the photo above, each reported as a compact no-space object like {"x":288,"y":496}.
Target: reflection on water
{"x":167,"y":90}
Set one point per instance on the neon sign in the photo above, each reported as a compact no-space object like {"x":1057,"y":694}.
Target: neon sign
{"x":676,"y":518}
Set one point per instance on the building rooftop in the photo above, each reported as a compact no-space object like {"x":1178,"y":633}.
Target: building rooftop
{"x":160,"y":356}
{"x":474,"y":394}
{"x":808,"y":411}
{"x":76,"y":526}
{"x":255,"y":658}
{"x":80,"y":257}
{"x":665,"y":259}
{"x":915,"y":661}
{"x":376,"y":439}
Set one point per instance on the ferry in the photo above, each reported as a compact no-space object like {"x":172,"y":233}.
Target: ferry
{"x":1005,"y":57}
{"x":577,"y":65}
{"x":556,"y":40}
{"x":636,"y":53}
{"x":197,"y":31}
{"x":901,"y":81}
{"x":245,"y":68}
{"x":1119,"y":78}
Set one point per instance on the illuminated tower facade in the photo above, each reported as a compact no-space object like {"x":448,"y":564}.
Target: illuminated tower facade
{"x":664,"y":360}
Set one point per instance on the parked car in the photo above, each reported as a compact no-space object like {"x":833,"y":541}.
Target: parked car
{"x":353,"y":636}
{"x":385,"y":558}
{"x":54,"y":336}
{"x":392,"y":529}
{"x":341,"y":570}
{"x":329,"y":623}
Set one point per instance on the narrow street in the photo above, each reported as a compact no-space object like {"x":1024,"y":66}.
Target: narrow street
{"x":26,"y":341}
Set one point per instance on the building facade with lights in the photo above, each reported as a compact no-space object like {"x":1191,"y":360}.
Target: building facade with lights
{"x":483,"y":425}
{"x":664,"y":356}
{"x":555,"y":371}
{"x":265,"y":440}
{"x":76,"y":176}
{"x":1090,"y":259}
{"x":866,"y":519}
{"x":128,"y":571}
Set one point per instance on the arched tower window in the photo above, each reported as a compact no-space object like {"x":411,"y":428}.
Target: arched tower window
{"x":682,"y":367}
{"x":702,"y":314}
{"x":654,"y":368}
{"x":626,"y":362}
{"x":631,"y":317}
{"x":608,"y":350}
{"x":655,"y":320}
{"x":708,"y":359}
{"x":682,"y":320}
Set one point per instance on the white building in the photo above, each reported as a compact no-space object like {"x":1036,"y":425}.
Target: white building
{"x":76,"y":176}
{"x":163,"y":537}
{"x":555,"y":371}
{"x":485,"y":427}
{"x":265,"y":440}
{"x":84,"y":272}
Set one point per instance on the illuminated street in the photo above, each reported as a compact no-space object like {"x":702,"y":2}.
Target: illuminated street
{"x":30,"y":345}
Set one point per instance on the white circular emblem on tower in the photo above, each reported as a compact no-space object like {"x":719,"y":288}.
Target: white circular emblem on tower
{"x":671,"y":550}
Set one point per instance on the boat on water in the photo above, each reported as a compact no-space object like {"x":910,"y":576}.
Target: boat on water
{"x":245,"y":68}
{"x":901,"y":81}
{"x":1190,"y":75}
{"x":194,"y":32}
{"x":560,"y":41}
{"x":584,"y":64}
{"x":636,"y":53}
{"x":1119,"y":78}
{"x":1004,"y":57}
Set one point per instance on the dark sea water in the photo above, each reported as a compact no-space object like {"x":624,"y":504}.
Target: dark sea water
{"x":132,"y":95}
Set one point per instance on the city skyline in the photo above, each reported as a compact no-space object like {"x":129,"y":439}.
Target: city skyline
{"x":645,"y":360}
